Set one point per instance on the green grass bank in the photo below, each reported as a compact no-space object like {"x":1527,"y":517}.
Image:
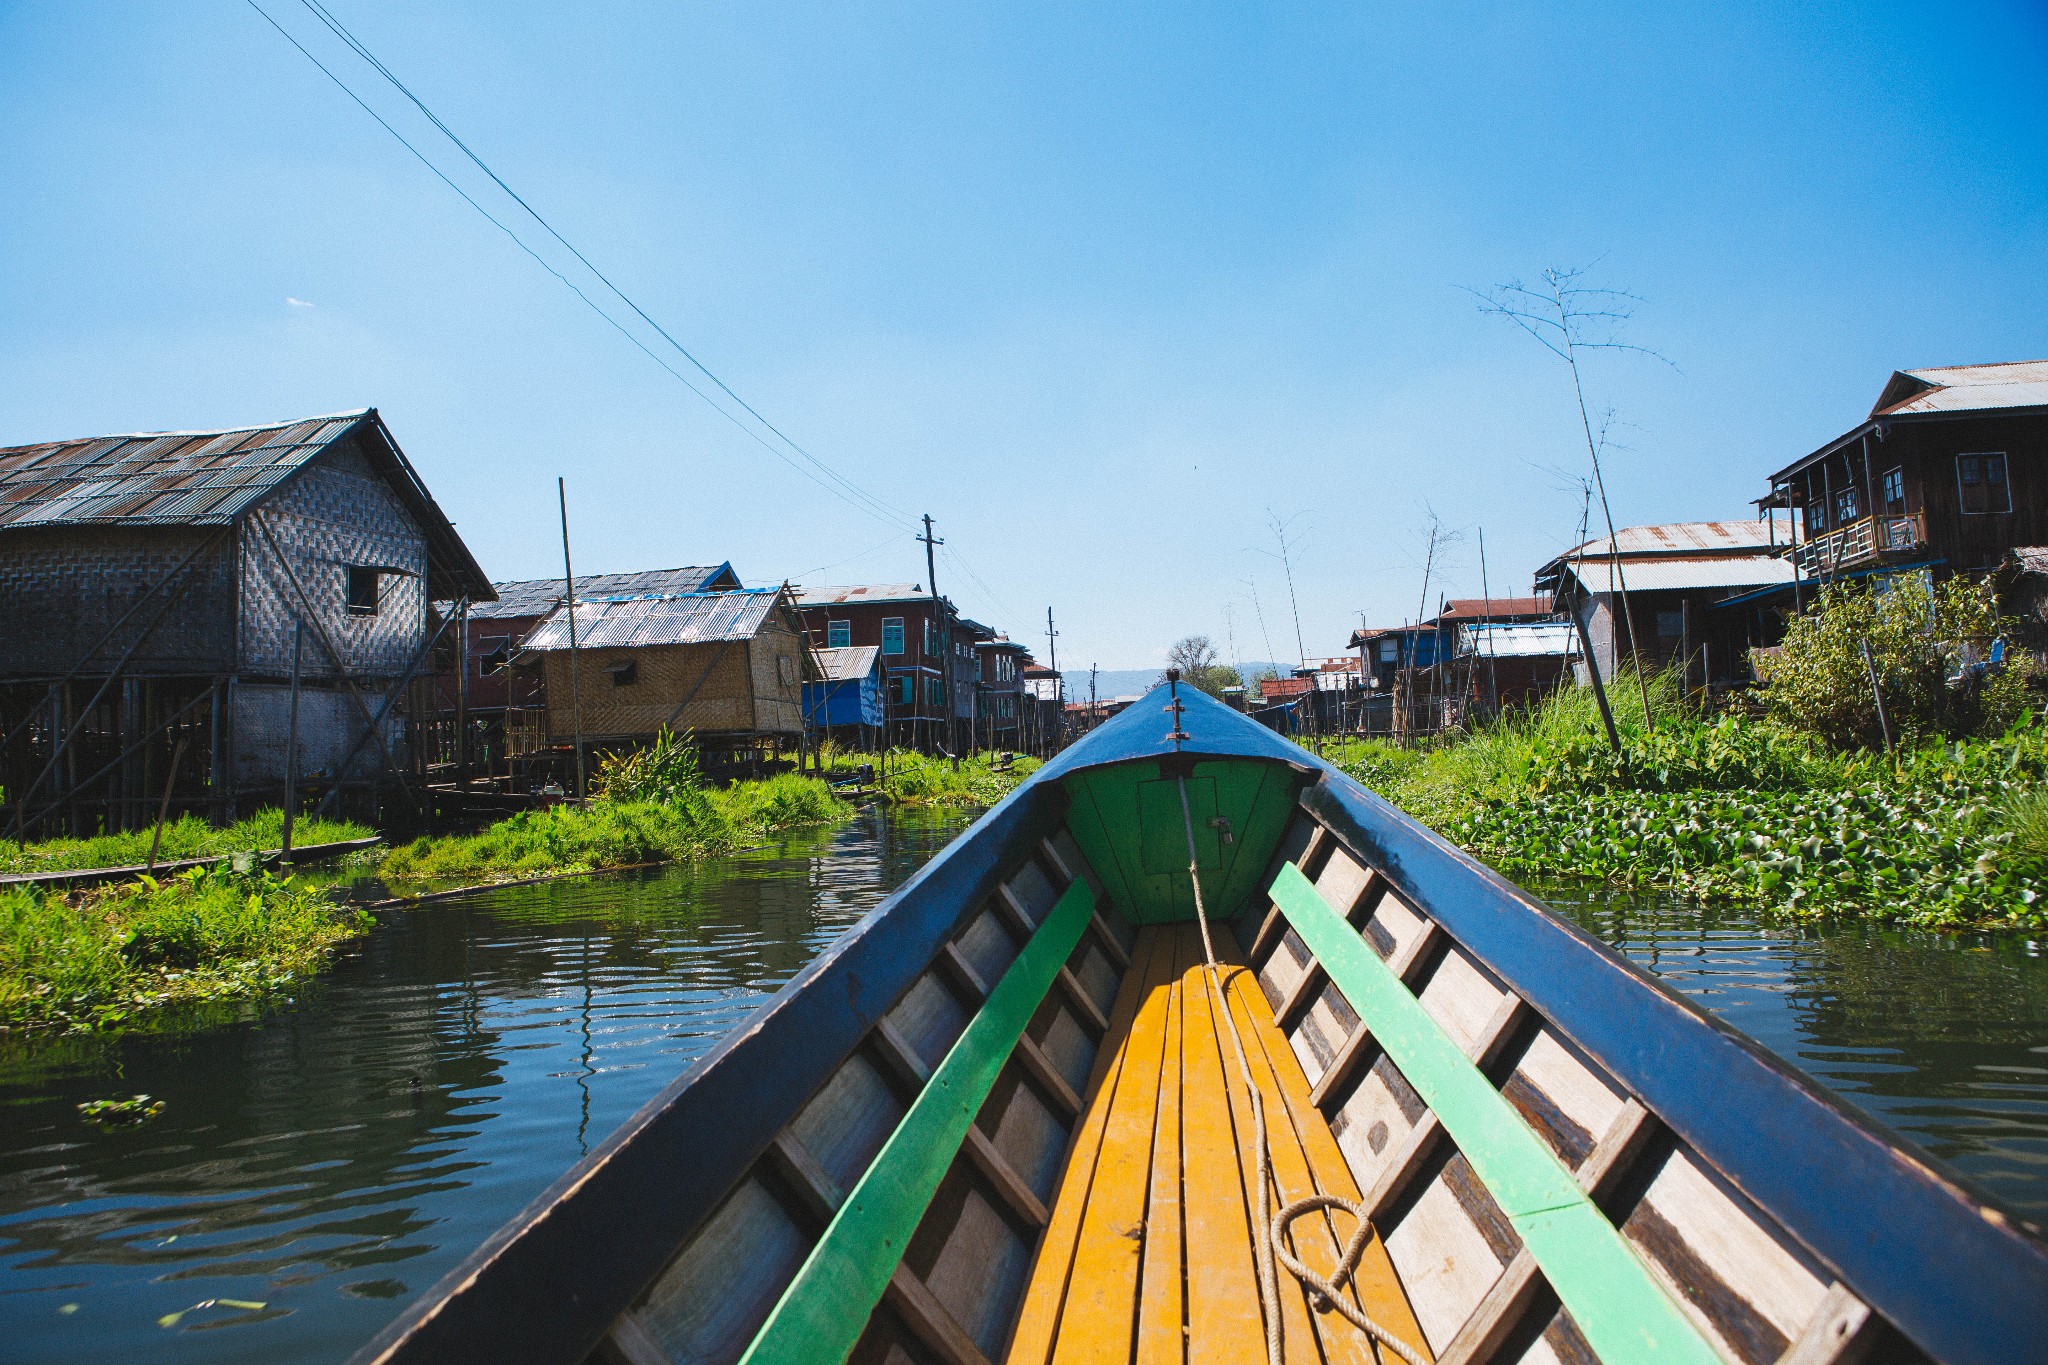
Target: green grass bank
{"x":187,"y":837}
{"x":916,"y":779}
{"x":622,"y":828}
{"x":101,"y":958}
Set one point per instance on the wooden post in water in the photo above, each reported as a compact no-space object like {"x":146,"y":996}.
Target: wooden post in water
{"x":291,"y":744}
{"x":156,"y":843}
{"x":569,"y":588}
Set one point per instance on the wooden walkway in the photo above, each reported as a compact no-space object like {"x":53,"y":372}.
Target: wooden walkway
{"x":1149,"y":1254}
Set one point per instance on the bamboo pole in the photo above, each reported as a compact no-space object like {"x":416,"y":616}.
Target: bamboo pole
{"x":569,"y":588}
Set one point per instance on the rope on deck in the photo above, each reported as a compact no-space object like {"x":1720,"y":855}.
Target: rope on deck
{"x":1275,"y":1245}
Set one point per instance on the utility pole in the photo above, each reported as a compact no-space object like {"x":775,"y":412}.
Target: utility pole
{"x":931,"y":544}
{"x":1091,"y":696}
{"x":1059,"y":684}
{"x":1492,"y":670}
{"x":569,"y":588}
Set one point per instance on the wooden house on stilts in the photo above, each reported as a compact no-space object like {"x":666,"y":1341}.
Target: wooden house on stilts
{"x":171,"y":603}
{"x":727,"y":666}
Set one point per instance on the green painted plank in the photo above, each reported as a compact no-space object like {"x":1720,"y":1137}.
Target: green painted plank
{"x":823,"y":1312}
{"x":1612,"y":1297}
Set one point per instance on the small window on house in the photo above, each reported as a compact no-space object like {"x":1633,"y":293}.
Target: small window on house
{"x":1670,"y":624}
{"x":892,"y":635}
{"x":1848,"y":506}
{"x":624,"y":674}
{"x":931,"y":637}
{"x":838,"y":634}
{"x":1816,"y":518}
{"x":905,"y":685}
{"x":362,"y":590}
{"x":1893,"y":490}
{"x":934,"y":692}
{"x":1390,"y":651}
{"x":1982,"y":482}
{"x":494,"y":655}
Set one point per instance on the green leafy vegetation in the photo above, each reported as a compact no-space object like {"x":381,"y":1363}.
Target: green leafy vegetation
{"x":981,"y":779}
{"x":98,"y":958}
{"x":187,"y":837}
{"x":1923,"y":643}
{"x":648,"y":806}
{"x":1753,"y":811}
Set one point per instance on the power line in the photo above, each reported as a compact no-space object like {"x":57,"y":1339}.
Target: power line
{"x":340,"y":31}
{"x":848,"y":491}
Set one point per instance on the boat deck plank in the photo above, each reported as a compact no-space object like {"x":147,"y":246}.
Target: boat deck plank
{"x":1161,"y":1198}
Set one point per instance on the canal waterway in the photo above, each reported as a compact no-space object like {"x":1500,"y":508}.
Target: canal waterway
{"x":331,"y":1157}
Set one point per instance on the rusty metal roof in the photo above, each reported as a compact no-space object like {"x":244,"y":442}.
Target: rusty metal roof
{"x":869,"y":592}
{"x":211,"y":478}
{"x":1497,"y":609}
{"x":1740,"y":536}
{"x":164,"y":478}
{"x":689,"y":619}
{"x":539,"y":596}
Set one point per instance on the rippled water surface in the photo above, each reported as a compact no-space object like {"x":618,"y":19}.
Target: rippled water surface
{"x":334,"y":1157}
{"x":1943,"y":1038}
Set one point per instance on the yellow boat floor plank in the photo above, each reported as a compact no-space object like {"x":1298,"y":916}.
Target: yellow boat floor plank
{"x":1149,"y":1255}
{"x":1096,"y":1321}
{"x":1306,"y":1160}
{"x":1038,"y":1320}
{"x":1161,"y":1340}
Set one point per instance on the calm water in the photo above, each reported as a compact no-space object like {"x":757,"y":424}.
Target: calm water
{"x":334,"y":1157}
{"x":337,"y":1156}
{"x":1944,"y":1038}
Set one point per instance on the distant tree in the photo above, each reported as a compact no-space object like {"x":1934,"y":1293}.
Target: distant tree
{"x":1195,"y":657}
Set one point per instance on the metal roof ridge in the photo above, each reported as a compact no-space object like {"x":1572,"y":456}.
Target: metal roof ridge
{"x":205,"y":431}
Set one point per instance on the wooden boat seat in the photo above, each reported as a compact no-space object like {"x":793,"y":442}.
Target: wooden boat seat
{"x":1148,"y":1255}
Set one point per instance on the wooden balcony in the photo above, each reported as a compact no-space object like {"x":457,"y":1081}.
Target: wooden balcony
{"x":1867,"y":540}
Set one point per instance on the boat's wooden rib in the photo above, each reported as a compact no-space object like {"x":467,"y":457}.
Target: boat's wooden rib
{"x":1000,"y":1121}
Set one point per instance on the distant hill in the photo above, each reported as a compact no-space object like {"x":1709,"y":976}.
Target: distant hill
{"x":1126,"y":682}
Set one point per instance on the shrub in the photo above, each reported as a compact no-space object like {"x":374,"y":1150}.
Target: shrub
{"x":1920,"y":637}
{"x":664,"y":771}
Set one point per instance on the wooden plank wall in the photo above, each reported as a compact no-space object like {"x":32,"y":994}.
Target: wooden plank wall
{"x":955,"y":1294}
{"x":1755,"y":1293}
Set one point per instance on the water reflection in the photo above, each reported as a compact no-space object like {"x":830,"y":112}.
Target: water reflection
{"x":333,"y":1157}
{"x":1942,"y":1037}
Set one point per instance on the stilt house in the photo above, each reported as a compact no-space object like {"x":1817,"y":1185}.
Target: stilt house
{"x":159,"y":591}
{"x":729,"y":666}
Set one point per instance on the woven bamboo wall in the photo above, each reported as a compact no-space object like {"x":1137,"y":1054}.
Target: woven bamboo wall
{"x":334,"y":513}
{"x":738,"y":688}
{"x":61,"y":587}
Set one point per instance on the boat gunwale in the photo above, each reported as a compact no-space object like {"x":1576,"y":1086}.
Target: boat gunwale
{"x":1842,"y":1203}
{"x":592,"y":1242}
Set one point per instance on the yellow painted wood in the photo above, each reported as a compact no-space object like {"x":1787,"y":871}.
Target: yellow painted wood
{"x":1160,"y":1338}
{"x":1098,"y":1317}
{"x":1303,"y":1144}
{"x":1224,"y":1323}
{"x":1038,"y":1320}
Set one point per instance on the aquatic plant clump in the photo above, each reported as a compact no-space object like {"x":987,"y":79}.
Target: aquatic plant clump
{"x":915,"y":779}
{"x":186,"y":837}
{"x":694,"y":824}
{"x":1742,"y":811}
{"x":93,"y":959}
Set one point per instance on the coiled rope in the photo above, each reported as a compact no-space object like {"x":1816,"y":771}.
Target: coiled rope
{"x":1275,"y":1245}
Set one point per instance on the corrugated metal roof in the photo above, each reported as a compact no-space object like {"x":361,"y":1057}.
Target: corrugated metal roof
{"x":691,"y":619}
{"x":1965,"y":388}
{"x":539,"y":596}
{"x":1535,"y":640}
{"x":2029,"y":558}
{"x":1499,"y":608}
{"x":1683,"y":538}
{"x":166,"y":478}
{"x":1665,"y":575}
{"x":849,"y":663}
{"x":871,"y":592}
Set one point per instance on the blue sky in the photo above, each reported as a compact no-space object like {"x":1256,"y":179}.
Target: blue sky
{"x":1096,"y":286}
